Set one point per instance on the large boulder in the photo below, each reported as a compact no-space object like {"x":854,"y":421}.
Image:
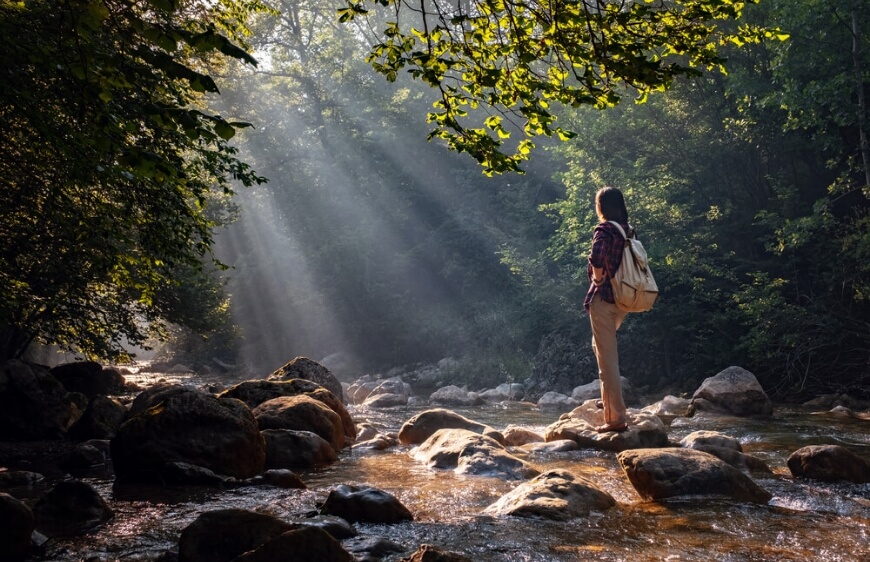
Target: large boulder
{"x":305,"y":368}
{"x":101,"y":419}
{"x":154,"y":395}
{"x":360,"y":389}
{"x":452,"y":395}
{"x":287,"y":448}
{"x":669,"y":407}
{"x":829,"y":463}
{"x":663,"y":473}
{"x":592,"y":391}
{"x":725,"y":448}
{"x":219,"y":434}
{"x":420,"y":427}
{"x":466,"y":452}
{"x":302,"y":413}
{"x":365,"y":504}
{"x":557,"y":495}
{"x":556,"y":402}
{"x":644,"y":430}
{"x":16,"y":527}
{"x":515,"y":436}
{"x":388,"y":393}
{"x":305,"y":544}
{"x":69,"y":509}
{"x":90,"y":378}
{"x":254,"y":393}
{"x":733,"y":391}
{"x":33,"y":404}
{"x":222,"y":535}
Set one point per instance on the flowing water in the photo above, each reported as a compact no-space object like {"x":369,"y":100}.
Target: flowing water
{"x":803,"y":521}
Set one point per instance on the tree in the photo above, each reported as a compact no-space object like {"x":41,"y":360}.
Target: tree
{"x":108,"y":163}
{"x":518,"y":60}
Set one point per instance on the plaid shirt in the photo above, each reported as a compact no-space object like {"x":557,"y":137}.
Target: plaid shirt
{"x":607,"y":247}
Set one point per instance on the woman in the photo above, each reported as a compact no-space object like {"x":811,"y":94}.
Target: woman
{"x":604,"y":316}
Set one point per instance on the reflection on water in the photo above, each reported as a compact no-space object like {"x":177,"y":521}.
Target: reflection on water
{"x":803,"y":521}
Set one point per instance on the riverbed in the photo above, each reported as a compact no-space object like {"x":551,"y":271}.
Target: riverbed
{"x":803,"y":521}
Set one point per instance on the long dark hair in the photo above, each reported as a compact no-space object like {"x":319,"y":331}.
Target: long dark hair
{"x":610,"y":205}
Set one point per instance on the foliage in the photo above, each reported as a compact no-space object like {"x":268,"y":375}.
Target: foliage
{"x":520,"y":61}
{"x":108,"y":163}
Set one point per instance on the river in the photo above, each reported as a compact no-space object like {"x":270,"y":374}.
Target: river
{"x":803,"y":521}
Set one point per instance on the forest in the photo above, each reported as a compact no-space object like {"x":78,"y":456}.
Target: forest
{"x":252,"y":181}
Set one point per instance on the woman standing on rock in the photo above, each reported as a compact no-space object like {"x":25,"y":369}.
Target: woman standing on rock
{"x":606,"y":257}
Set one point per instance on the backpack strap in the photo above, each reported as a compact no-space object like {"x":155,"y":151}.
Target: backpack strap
{"x":621,"y":230}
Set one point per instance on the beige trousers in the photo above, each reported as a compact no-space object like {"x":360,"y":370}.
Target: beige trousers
{"x":606,"y":318}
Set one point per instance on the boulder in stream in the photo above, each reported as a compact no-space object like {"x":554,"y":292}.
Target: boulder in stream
{"x":466,"y":452}
{"x":90,"y":378}
{"x":224,"y":534}
{"x":452,"y":395}
{"x":304,"y":544}
{"x":33,"y":404}
{"x":725,"y":448}
{"x":420,"y":427}
{"x":829,"y":463}
{"x":515,"y":435}
{"x":365,"y":504}
{"x":302,"y":413}
{"x":289,"y":448}
{"x":430,"y":553}
{"x":733,"y":391}
{"x":556,"y":495}
{"x":310,"y":370}
{"x":16,"y":528}
{"x":254,"y":393}
{"x":69,"y":509}
{"x":219,"y":434}
{"x":663,"y":473}
{"x":101,"y":419}
{"x":645,"y":430}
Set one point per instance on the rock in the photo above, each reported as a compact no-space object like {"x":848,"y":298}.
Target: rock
{"x":452,"y":395}
{"x":90,"y":378}
{"x":733,"y":391}
{"x":556,"y":402}
{"x":33,"y":404}
{"x":385,"y":400}
{"x":305,"y":368}
{"x":86,"y":455}
{"x":339,"y":528}
{"x":302,"y":413}
{"x":379,"y":442}
{"x":17,"y":526}
{"x":185,"y":474}
{"x":663,"y":473}
{"x":365,"y":504}
{"x":558,"y":446}
{"x":829,"y":463}
{"x":360,"y":389}
{"x":669,"y":407}
{"x":69,"y":509}
{"x":219,"y":434}
{"x":101,"y":419}
{"x":700,"y":439}
{"x":222,"y":535}
{"x":280,"y":478}
{"x":429,"y":553}
{"x":254,"y":393}
{"x":514,"y":436}
{"x":288,"y":448}
{"x":831,"y":401}
{"x":19,"y":479}
{"x":494,"y":395}
{"x":305,"y":544}
{"x":556,"y":495}
{"x":154,"y":395}
{"x":466,"y":452}
{"x":592,"y":391}
{"x":644,"y":430}
{"x":423,"y":425}
{"x":374,"y":548}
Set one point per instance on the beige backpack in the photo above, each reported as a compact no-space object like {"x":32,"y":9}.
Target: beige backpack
{"x":634,"y":288}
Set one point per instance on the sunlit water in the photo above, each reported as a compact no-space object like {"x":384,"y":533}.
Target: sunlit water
{"x":803,"y":521}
